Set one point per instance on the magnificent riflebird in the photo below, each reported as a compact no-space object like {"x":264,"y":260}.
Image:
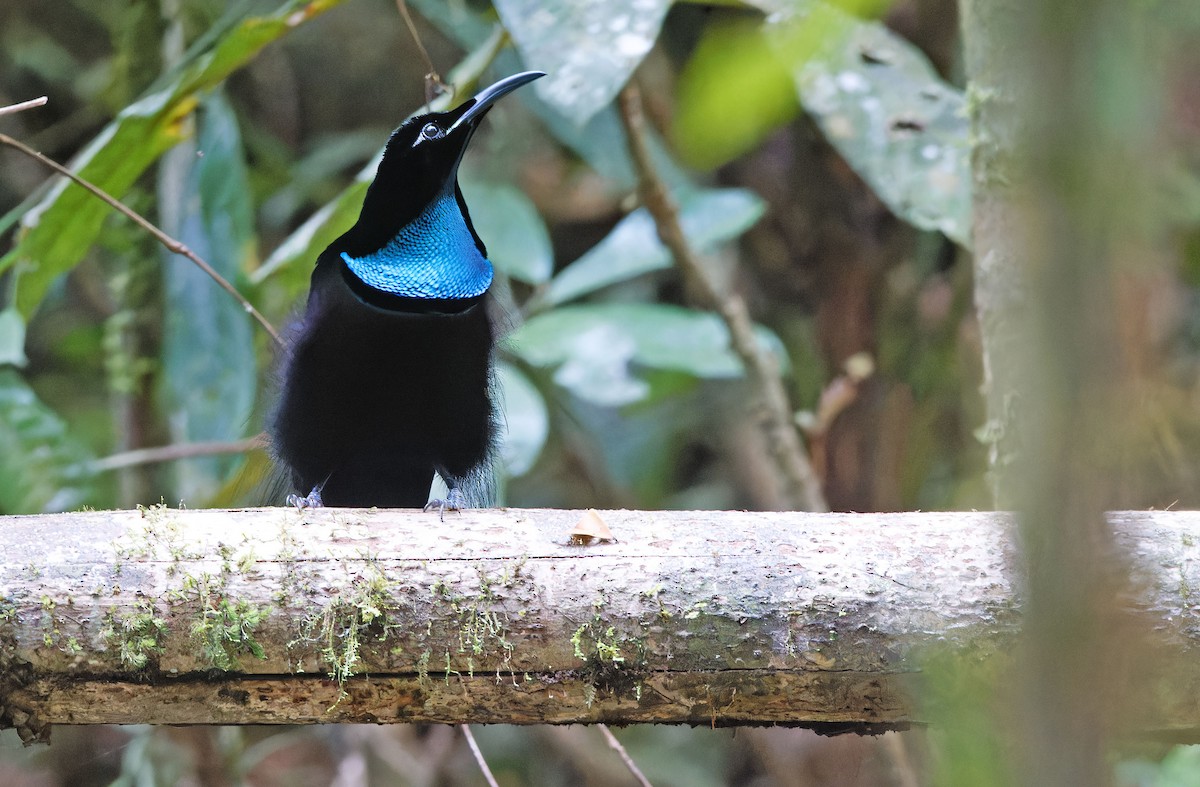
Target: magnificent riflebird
{"x":388,"y":375}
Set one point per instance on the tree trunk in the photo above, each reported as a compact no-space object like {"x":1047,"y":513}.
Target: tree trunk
{"x":1064,"y":112}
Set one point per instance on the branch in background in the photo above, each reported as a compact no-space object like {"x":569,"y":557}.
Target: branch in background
{"x":483,"y":766}
{"x":624,"y":755}
{"x":166,"y":240}
{"x":841,"y":392}
{"x":171,"y":453}
{"x":24,"y":105}
{"x":803,"y":486}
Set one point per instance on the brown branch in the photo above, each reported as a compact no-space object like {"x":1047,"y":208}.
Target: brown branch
{"x":172,"y":245}
{"x":171,"y":453}
{"x":803,"y":486}
{"x":12,"y":109}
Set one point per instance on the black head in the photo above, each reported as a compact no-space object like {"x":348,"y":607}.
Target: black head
{"x":420,"y":163}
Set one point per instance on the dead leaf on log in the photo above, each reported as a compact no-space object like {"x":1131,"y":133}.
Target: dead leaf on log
{"x":590,"y":527}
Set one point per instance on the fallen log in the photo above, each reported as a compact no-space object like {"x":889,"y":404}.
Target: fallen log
{"x":278,"y":616}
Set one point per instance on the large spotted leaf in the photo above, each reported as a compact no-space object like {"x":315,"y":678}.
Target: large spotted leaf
{"x":588,"y":48}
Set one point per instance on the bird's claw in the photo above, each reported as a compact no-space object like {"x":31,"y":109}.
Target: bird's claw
{"x":311,"y":500}
{"x":454,"y":502}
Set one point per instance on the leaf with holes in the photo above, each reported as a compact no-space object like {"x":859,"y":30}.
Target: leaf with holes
{"x":881,"y":104}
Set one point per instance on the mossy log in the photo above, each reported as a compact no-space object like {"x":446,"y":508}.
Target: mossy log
{"x":340,"y":615}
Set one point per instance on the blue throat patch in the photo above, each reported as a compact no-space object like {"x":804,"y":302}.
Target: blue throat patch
{"x":434,"y":256}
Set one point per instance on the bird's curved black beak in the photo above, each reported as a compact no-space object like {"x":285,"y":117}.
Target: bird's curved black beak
{"x":484,"y":99}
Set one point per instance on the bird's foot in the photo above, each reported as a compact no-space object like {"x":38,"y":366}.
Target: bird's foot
{"x":454,"y":502}
{"x":311,"y":500}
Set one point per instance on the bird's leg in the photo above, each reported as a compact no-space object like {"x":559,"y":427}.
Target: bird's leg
{"x":311,"y":500}
{"x":454,"y":502}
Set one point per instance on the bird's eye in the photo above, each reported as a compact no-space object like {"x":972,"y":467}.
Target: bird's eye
{"x":431,"y":131}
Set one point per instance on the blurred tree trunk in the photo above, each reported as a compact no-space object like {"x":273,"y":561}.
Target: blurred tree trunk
{"x":1061,"y":119}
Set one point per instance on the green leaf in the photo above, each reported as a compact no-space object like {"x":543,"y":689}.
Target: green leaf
{"x":882,"y":105}
{"x":595,"y":347}
{"x":708,"y":218}
{"x":588,"y":48}
{"x":12,"y":338}
{"x":63,"y":225}
{"x":524,"y":422}
{"x":1180,"y":767}
{"x":42,"y":468}
{"x":733,"y":91}
{"x":209,"y":367}
{"x":291,"y":264}
{"x":600,"y":141}
{"x":514,"y":234}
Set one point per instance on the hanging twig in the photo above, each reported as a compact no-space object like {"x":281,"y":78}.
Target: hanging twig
{"x":483,"y":766}
{"x":166,"y":240}
{"x":803,"y":486}
{"x":624,"y":755}
{"x":433,"y":80}
{"x":40,"y":101}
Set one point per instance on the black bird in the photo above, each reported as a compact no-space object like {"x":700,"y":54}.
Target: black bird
{"x":388,"y":376}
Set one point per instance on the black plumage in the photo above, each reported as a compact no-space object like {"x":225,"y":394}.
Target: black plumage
{"x":388,"y":375}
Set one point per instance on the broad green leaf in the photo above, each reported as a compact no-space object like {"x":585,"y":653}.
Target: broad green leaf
{"x":708,"y":218}
{"x":524,"y":422}
{"x":733,"y":91}
{"x":12,"y":338}
{"x":57,"y":232}
{"x":588,"y":48}
{"x":209,"y":369}
{"x":881,"y":104}
{"x":42,"y":468}
{"x":514,"y":234}
{"x":596,"y":346}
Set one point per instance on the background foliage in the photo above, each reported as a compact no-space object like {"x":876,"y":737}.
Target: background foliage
{"x":819,"y":152}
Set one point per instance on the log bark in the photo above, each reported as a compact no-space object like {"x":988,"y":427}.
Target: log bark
{"x":341,"y":615}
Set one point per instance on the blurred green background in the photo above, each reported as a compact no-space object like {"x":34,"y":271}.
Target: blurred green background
{"x":820,"y":153}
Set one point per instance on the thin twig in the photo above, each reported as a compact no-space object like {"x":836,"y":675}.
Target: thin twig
{"x":166,"y":240}
{"x":624,"y":755}
{"x":483,"y":766}
{"x":171,"y":453}
{"x":432,"y":78}
{"x":802,"y":483}
{"x":40,"y":101}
